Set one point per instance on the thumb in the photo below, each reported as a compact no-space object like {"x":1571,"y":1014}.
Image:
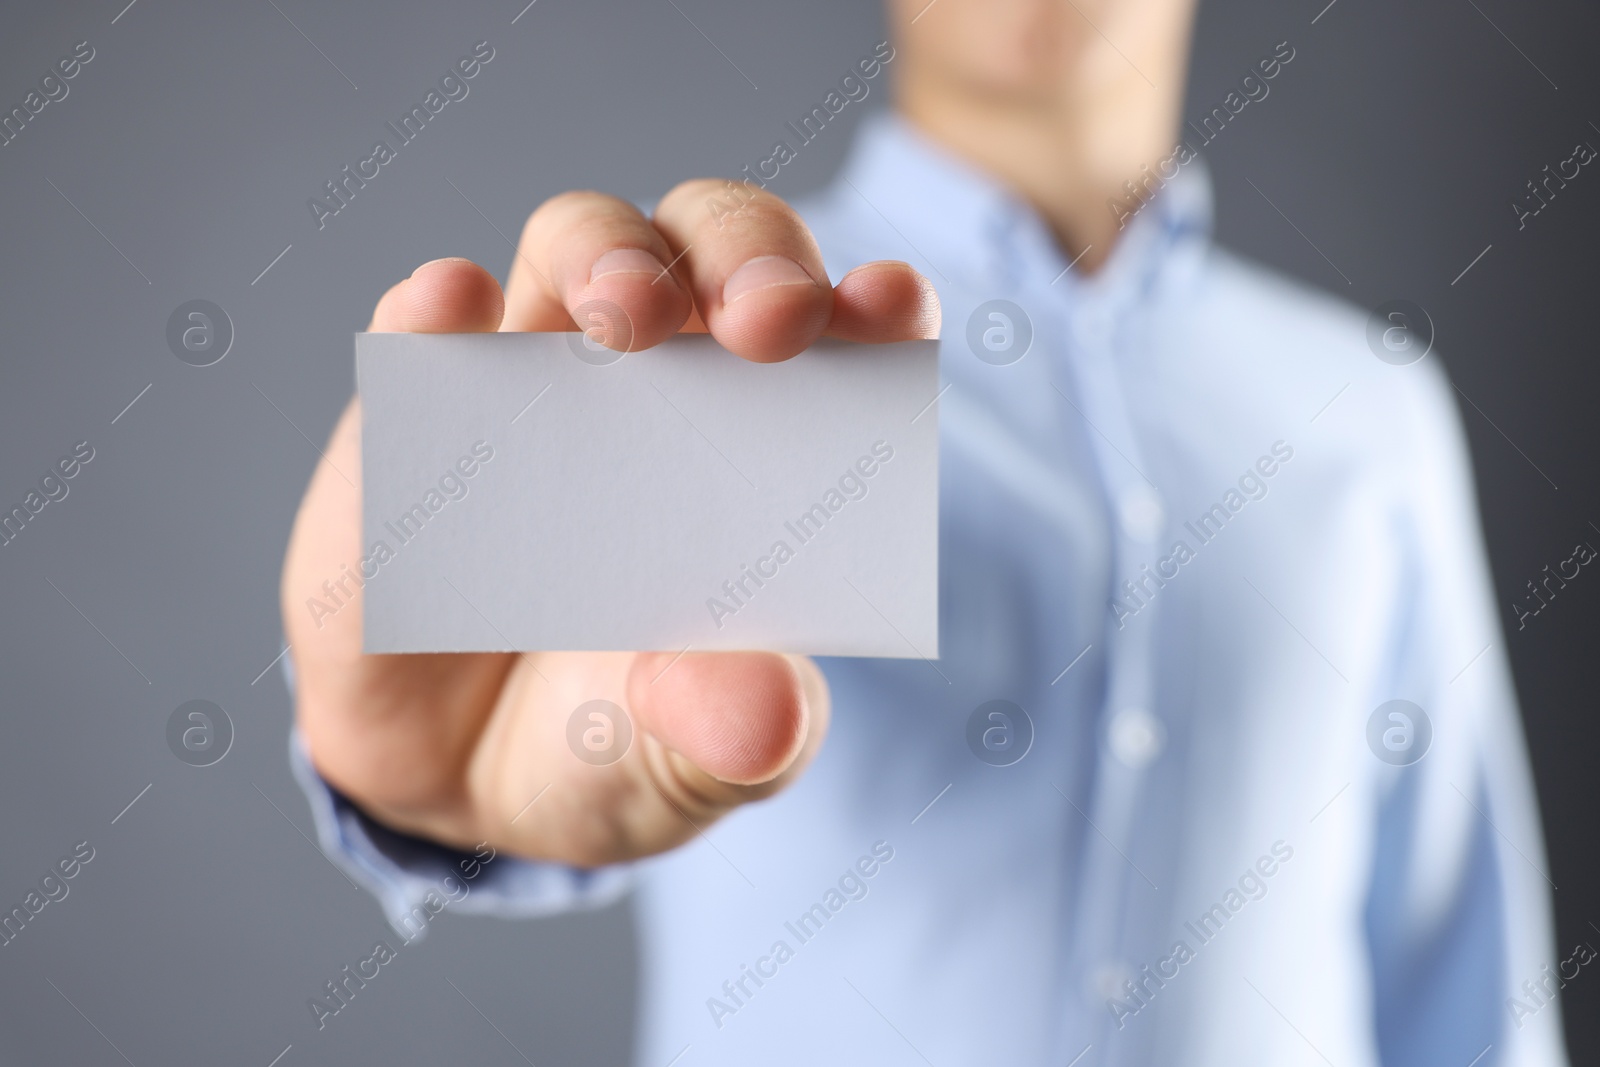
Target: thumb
{"x":444,"y":296}
{"x":737,"y":725}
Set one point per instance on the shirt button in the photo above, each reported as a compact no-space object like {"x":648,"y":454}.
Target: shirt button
{"x":1136,"y":738}
{"x":1140,"y":512}
{"x":1109,"y":982}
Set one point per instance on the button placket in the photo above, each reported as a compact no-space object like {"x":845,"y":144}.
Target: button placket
{"x":1131,"y":736}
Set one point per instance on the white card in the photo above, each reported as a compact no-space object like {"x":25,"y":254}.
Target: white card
{"x":522,"y":493}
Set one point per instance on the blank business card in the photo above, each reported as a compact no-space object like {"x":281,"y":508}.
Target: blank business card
{"x":527,"y":492}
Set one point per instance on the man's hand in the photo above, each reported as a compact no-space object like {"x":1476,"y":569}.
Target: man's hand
{"x":455,"y":746}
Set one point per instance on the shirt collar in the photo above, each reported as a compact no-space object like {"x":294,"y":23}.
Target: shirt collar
{"x":948,"y":210}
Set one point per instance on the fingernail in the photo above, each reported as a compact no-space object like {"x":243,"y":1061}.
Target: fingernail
{"x":764,"y":272}
{"x":625,"y":261}
{"x":444,"y":259}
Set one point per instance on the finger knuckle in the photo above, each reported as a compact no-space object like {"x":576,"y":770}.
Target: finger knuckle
{"x":727,"y":206}
{"x":574,"y":203}
{"x":692,"y":191}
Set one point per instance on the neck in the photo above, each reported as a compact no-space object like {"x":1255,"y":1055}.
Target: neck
{"x":1068,"y":159}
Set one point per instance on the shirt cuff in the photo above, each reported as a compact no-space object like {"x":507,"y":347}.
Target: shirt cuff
{"x":415,"y":880}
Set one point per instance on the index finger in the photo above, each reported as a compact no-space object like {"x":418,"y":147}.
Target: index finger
{"x":760,"y":285}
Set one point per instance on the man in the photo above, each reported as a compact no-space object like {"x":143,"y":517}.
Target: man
{"x":1154,"y":803}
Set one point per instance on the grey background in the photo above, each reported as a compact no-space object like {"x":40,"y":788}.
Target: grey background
{"x":1395,"y":141}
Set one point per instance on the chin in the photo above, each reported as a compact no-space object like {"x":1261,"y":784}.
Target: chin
{"x":1031,"y":59}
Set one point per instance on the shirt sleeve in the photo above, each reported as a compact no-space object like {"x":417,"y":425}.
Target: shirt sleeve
{"x":415,"y":879}
{"x":1458,"y":918}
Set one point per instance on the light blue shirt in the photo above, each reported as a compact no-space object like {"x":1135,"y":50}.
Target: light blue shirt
{"x":1199,"y":534}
